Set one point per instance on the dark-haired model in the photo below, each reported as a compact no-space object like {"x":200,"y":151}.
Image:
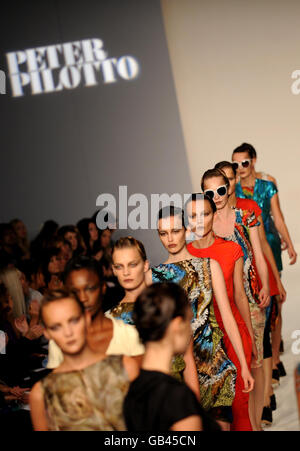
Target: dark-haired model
{"x":201,"y":278}
{"x":155,"y":400}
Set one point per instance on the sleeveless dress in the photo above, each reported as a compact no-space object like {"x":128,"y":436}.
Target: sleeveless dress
{"x":216,"y":373}
{"x":90,"y":399}
{"x":244,"y":221}
{"x":227,"y":253}
{"x":262,"y":193}
{"x":123,"y":312}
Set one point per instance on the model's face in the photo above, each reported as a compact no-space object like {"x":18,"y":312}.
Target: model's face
{"x":93,"y":231}
{"x":65,"y":324}
{"x":20,"y":230}
{"x":129,"y":267}
{"x":232,"y":179}
{"x":85,"y":284}
{"x":214,"y":183}
{"x":54,"y":266}
{"x":172,"y":233}
{"x":243,"y":172}
{"x":72,"y":238}
{"x":201,"y":217}
{"x":105,"y":238}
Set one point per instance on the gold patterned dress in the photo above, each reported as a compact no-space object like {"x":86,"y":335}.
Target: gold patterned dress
{"x":216,"y":372}
{"x":90,"y":399}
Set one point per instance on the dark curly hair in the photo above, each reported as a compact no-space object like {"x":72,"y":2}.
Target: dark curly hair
{"x":155,"y":308}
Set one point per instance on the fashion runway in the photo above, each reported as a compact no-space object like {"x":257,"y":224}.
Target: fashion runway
{"x":285,"y":418}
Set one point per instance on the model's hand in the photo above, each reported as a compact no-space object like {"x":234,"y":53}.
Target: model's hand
{"x":284,"y":245}
{"x":264,"y":297}
{"x":248,"y":380}
{"x":292,"y":254}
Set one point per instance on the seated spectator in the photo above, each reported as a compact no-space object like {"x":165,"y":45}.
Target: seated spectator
{"x":43,"y":239}
{"x":9,"y":248}
{"x":22,"y":238}
{"x":71,"y":234}
{"x":51,"y":268}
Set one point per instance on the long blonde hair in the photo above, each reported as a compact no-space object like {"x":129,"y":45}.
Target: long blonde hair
{"x":11,"y":279}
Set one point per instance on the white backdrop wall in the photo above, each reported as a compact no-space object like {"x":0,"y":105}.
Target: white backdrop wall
{"x":232,"y":63}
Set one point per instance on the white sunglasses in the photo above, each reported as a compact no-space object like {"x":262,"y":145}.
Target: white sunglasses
{"x":243,"y":164}
{"x":221,"y":191}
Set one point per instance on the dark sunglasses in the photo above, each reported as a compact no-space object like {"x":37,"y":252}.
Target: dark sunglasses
{"x":238,"y":164}
{"x":221,"y":191}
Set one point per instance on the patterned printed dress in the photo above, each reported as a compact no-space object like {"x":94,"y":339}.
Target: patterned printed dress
{"x":216,"y":373}
{"x":90,"y":399}
{"x":262,"y":194}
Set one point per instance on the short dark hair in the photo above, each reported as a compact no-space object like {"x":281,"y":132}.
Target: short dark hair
{"x":225,"y":164}
{"x":82,"y":262}
{"x":155,"y":308}
{"x":171,"y":211}
{"x":57,"y":295}
{"x":214,"y":173}
{"x":246,"y":147}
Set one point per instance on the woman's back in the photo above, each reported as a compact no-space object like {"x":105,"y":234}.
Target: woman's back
{"x":155,"y":401}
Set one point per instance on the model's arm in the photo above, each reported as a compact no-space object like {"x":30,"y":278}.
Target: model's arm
{"x":131,"y":366}
{"x":242,"y":302}
{"x":264,"y":295}
{"x":190,"y":372}
{"x":220,"y":293}
{"x":282,"y":228}
{"x":266,"y":248}
{"x":37,"y":408}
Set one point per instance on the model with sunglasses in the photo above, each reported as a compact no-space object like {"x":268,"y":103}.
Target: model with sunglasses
{"x":265,"y":193}
{"x":201,"y":278}
{"x":199,"y":210}
{"x":241,"y":227}
{"x":276,"y":286}
{"x":131,"y":267}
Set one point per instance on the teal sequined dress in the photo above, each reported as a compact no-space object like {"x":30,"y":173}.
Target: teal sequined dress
{"x":262,"y":194}
{"x":216,"y":373}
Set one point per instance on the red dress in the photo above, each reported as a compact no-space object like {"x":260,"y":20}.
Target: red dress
{"x":226,"y":253}
{"x":249,"y":204}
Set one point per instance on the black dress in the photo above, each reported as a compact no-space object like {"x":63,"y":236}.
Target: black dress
{"x":155,"y":401}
